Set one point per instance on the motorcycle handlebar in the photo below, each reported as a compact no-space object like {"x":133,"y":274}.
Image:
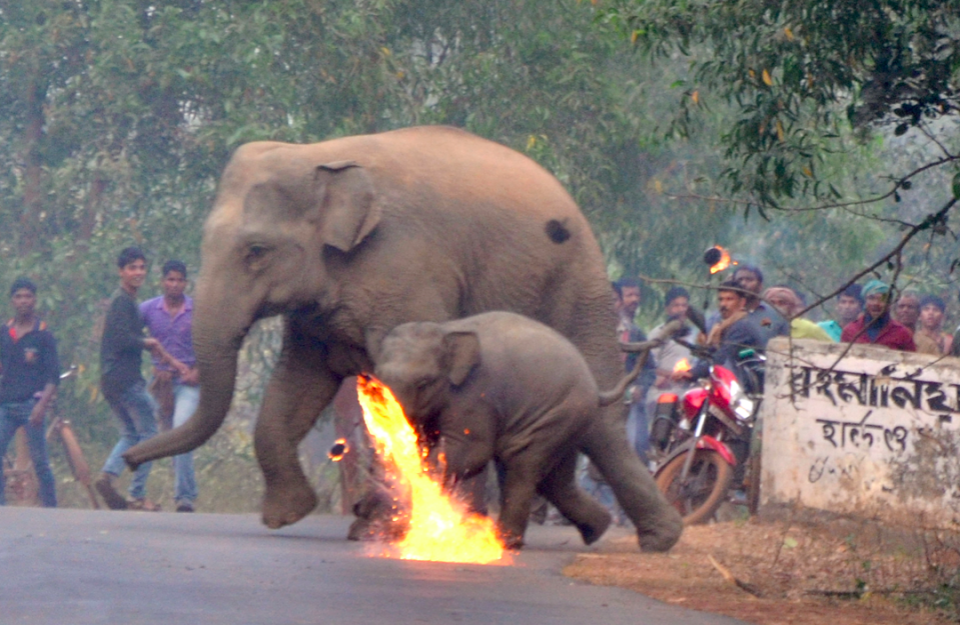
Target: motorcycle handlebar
{"x":697,"y":350}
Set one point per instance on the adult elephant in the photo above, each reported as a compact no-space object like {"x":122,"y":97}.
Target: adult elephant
{"x":351,"y":237}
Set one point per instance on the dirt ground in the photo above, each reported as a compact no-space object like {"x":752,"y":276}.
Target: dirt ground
{"x":788,"y":573}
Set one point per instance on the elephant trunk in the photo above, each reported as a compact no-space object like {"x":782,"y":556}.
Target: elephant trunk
{"x":217,"y":367}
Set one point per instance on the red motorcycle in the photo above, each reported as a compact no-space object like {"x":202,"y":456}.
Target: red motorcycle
{"x":704,"y":440}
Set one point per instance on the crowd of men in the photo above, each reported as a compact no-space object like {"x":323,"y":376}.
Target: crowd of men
{"x":30,"y":372}
{"x":748,"y":316}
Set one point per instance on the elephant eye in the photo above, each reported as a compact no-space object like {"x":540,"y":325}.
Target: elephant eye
{"x":256,"y":252}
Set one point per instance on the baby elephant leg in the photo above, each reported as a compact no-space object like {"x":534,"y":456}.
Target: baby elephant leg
{"x":560,"y":488}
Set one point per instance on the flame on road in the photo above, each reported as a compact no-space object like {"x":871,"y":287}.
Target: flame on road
{"x":440,"y":529}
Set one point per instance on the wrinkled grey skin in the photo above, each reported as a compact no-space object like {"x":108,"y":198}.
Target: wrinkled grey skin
{"x":500,"y":386}
{"x":351,"y":237}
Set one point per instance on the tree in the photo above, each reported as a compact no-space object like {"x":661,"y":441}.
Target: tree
{"x":117,"y":117}
{"x":800,"y":74}
{"x":808,"y":85}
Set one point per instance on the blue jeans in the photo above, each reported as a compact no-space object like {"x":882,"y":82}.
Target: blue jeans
{"x":597,"y":488}
{"x":12,"y":417}
{"x":137,"y":412}
{"x":638,"y":430}
{"x":186,"y":399}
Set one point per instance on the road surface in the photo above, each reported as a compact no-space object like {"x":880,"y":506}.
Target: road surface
{"x":79,"y":567}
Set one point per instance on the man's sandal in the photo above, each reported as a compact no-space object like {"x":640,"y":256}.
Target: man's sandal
{"x":143,"y":504}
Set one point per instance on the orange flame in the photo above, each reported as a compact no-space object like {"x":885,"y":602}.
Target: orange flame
{"x":440,"y":529}
{"x":683,"y":365}
{"x":721,"y":264}
{"x":340,"y":449}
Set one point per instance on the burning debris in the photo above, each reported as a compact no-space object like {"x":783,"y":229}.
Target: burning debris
{"x":718,"y":259}
{"x":438,"y":528}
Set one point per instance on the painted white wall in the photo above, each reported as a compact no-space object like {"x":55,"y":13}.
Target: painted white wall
{"x":874,"y":433}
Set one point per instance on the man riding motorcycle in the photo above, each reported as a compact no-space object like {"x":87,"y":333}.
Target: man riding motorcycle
{"x":735,"y":332}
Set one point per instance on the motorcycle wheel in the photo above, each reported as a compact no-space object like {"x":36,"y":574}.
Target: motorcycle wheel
{"x":705,"y":488}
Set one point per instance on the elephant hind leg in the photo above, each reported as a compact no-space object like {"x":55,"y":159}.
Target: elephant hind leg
{"x":658,"y":524}
{"x":561,"y":490}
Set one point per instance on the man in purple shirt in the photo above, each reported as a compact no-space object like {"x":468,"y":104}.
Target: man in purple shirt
{"x":168,"y":319}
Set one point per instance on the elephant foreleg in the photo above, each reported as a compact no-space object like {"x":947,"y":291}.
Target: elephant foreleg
{"x":560,"y":488}
{"x":518,"y":489}
{"x":301,"y":387}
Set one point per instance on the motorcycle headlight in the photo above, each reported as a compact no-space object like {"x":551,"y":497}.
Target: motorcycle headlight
{"x":743,"y":407}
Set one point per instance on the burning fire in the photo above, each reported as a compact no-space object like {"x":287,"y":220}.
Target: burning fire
{"x":683,"y":365}
{"x":721,"y":264}
{"x":440,"y":530}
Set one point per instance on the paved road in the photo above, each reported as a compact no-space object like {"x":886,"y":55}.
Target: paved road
{"x":78,"y":567}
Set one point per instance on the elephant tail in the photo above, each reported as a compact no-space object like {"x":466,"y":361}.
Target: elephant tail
{"x":643,"y":348}
{"x":616,"y":393}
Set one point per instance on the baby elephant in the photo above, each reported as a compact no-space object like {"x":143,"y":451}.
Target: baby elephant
{"x":504,"y":387}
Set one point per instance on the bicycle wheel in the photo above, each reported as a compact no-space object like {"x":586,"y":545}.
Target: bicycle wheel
{"x":698,"y":496}
{"x":78,"y":464}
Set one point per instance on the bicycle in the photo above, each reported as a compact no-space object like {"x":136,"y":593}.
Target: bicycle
{"x":20,"y":476}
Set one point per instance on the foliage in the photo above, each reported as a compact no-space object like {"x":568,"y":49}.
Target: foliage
{"x":801,"y":74}
{"x":118,"y":115}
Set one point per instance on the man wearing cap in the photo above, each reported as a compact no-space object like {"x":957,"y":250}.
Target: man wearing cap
{"x":874,"y":326}
{"x":734,"y":332}
{"x":31,"y":372}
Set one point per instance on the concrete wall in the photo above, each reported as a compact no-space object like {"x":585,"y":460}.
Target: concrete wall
{"x":875,"y":433}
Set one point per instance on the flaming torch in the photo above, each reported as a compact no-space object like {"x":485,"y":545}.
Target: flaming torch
{"x":339,"y":449}
{"x":683,"y":365}
{"x":440,"y":529}
{"x":718,"y":259}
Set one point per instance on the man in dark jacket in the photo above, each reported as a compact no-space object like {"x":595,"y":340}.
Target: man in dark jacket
{"x":31,"y":372}
{"x":874,"y":326}
{"x":735,"y":332}
{"x":765,"y":317}
{"x":123,"y":385}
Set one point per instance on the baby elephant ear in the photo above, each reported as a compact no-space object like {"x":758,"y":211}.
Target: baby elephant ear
{"x":462,"y":350}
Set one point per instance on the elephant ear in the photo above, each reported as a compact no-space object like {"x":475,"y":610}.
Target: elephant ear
{"x":348,"y":207}
{"x":462,"y":352}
